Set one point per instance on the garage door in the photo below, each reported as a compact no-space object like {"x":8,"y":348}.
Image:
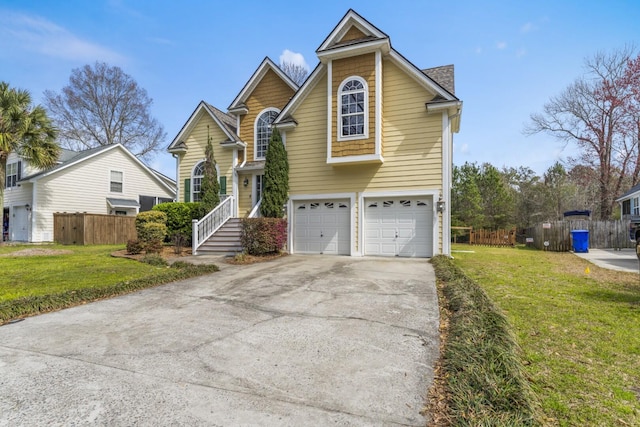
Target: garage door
{"x":399,"y":226}
{"x":322,"y":227}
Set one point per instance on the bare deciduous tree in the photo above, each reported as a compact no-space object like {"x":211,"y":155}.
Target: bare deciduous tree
{"x":296,"y":72}
{"x":103,"y":105}
{"x":592,"y":113}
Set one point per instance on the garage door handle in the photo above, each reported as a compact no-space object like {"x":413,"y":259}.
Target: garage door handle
{"x":321,"y":235}
{"x":396,"y":234}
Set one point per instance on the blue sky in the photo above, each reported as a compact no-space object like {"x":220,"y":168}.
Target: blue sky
{"x":510,"y":57}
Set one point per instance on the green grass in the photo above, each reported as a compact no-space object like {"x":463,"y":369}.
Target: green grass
{"x":34,"y":284}
{"x":578,"y":327}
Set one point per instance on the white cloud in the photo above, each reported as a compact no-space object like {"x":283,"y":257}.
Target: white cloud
{"x":462,"y":149}
{"x":293,"y":58}
{"x":528,"y":27}
{"x":36,"y":34}
{"x":521,"y":52}
{"x":501,"y":45}
{"x":478,"y":50}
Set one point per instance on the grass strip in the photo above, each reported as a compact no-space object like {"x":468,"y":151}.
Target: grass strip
{"x":484,"y":376}
{"x":36,"y":304}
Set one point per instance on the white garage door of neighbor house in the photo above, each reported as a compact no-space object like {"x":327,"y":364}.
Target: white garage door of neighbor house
{"x":19,"y":224}
{"x":399,"y":226}
{"x":322,"y":227}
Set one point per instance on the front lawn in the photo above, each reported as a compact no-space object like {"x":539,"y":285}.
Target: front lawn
{"x":578,"y":327}
{"x":67,"y":275}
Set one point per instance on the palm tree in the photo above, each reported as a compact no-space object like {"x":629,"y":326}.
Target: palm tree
{"x":25,"y":130}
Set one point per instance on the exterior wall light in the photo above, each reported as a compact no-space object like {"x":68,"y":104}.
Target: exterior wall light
{"x":246,"y":182}
{"x":440,"y":205}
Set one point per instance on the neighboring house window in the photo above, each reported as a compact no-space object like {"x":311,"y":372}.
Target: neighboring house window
{"x":263,"y":132}
{"x":626,"y":207}
{"x":352,"y":109}
{"x":115,"y":185}
{"x":196,"y":181}
{"x":635,"y":207}
{"x":12,"y":175}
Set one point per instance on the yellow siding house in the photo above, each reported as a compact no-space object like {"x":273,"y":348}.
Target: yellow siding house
{"x":369,"y":139}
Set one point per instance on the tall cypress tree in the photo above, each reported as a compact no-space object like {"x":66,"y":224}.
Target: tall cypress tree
{"x":210,"y":188}
{"x":276,"y":178}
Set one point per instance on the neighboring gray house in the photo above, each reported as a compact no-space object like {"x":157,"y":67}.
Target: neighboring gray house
{"x":630,"y":203}
{"x":103,"y":180}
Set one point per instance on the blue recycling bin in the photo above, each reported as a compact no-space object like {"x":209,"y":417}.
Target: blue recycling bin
{"x":580,"y":240}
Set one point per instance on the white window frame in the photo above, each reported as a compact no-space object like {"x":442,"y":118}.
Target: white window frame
{"x":111,"y":181}
{"x":194,"y":176}
{"x":255,"y":132}
{"x":635,"y":206}
{"x":11,"y":176}
{"x":365,"y":113}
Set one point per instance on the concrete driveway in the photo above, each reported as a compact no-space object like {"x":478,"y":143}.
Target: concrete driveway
{"x":303,"y":340}
{"x":612,"y":259}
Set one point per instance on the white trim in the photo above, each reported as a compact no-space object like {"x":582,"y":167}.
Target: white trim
{"x":329,"y":108}
{"x":447,"y":150}
{"x":326,"y":196}
{"x":408,"y":193}
{"x":433,"y":107}
{"x":378,"y":106}
{"x":257,"y":76}
{"x":255,"y":131}
{"x":365,"y":112}
{"x":364,"y":158}
{"x":419,"y":76}
{"x":302,"y":93}
{"x":191,"y":123}
{"x":355,"y":49}
{"x":234,"y":181}
{"x":351,"y":18}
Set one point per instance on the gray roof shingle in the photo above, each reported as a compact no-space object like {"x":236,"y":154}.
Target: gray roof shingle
{"x":443,"y":75}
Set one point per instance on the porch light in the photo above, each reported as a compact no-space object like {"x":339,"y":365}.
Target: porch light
{"x":27,"y":207}
{"x":246,"y":182}
{"x":440,"y":205}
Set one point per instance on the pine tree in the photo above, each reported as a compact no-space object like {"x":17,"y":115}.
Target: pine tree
{"x":210,"y":188}
{"x":276,"y":178}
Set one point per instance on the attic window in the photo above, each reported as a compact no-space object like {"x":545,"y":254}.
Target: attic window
{"x":352,"y":111}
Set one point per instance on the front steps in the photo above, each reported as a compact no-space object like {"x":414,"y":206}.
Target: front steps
{"x":225,"y":241}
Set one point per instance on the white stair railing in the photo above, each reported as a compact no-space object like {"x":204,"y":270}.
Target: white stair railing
{"x":255,"y":212}
{"x":210,"y":223}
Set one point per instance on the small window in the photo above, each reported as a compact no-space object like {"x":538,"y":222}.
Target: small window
{"x":314,"y":205}
{"x":352,"y":111}
{"x":328,"y":205}
{"x":342,"y":205}
{"x":115,"y":185}
{"x":635,"y":207}
{"x":626,"y":207}
{"x":405,"y":203}
{"x":123,"y":213}
{"x":387,"y":203}
{"x":421,"y":203}
{"x":12,"y":175}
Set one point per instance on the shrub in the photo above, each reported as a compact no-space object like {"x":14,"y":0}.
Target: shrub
{"x":151,"y":231}
{"x":261,"y":236}
{"x":179,"y":217}
{"x":154,"y":259}
{"x":150,"y":216}
{"x":134,"y":247}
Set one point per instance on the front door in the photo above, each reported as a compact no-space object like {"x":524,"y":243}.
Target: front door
{"x":20,"y":224}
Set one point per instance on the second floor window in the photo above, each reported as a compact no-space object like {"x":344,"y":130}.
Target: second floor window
{"x":352,"y":111}
{"x":12,"y":175}
{"x":635,"y":207}
{"x":263,"y":132}
{"x":115,"y":185}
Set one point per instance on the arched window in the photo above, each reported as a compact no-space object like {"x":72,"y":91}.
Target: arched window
{"x":352,"y":109}
{"x":263,"y":132}
{"x":196,"y":181}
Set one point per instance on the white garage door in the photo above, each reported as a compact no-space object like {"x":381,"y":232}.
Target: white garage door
{"x":399,"y":226}
{"x":322,"y":227}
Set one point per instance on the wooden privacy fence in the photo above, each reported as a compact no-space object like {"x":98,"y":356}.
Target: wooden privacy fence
{"x":93,"y":229}
{"x":493,"y":237}
{"x":557,"y":234}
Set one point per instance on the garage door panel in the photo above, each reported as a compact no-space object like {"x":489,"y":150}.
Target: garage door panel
{"x":401,"y":226}
{"x":322,"y":226}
